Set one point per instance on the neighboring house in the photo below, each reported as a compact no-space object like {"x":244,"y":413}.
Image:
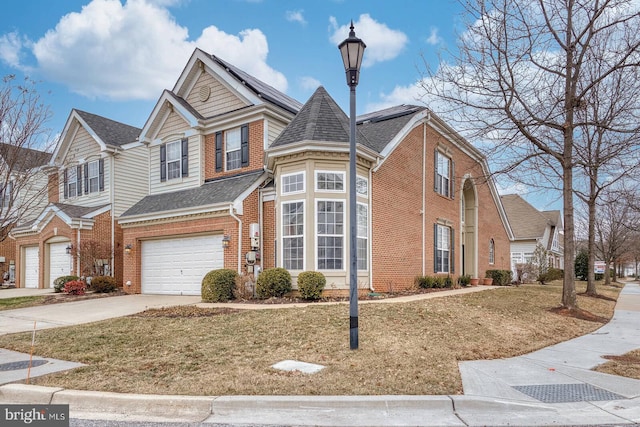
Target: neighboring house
{"x":230,"y":186}
{"x":23,"y":193}
{"x":96,"y":172}
{"x":532,"y":228}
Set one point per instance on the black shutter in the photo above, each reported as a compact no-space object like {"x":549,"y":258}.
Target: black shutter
{"x":185,"y":157}
{"x":435,"y":248}
{"x":452,"y":180}
{"x":453,"y":251}
{"x":79,"y":180}
{"x":163,"y":163}
{"x":218,"y":151}
{"x":86,"y":178}
{"x":435,"y":172}
{"x":66,"y":181}
{"x":101,"y":174}
{"x":244,"y":145}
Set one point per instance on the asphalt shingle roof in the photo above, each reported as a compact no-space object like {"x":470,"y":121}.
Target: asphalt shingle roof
{"x":321,"y":120}
{"x":223,"y":190}
{"x":260,"y":88}
{"x":73,"y":211}
{"x":380,"y":127}
{"x":109,"y":131}
{"x":20,"y":159}
{"x":526,"y":221}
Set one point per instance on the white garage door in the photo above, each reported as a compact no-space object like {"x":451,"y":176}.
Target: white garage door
{"x":177,"y":266}
{"x":59,"y":261}
{"x":31,"y":267}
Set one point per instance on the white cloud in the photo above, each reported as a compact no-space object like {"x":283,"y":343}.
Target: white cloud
{"x":410,"y":94}
{"x":295,"y":16}
{"x":383,"y":43}
{"x":309,"y":83}
{"x":134,"y":51}
{"x":434,"y":38}
{"x":10,"y":47}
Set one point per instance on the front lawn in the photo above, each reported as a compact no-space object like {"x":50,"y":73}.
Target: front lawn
{"x":405,"y":348}
{"x":20,"y":302}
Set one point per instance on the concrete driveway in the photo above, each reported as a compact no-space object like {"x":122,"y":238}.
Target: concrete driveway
{"x":78,"y":312}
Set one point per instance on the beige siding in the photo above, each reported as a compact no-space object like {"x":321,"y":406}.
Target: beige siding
{"x":131,"y":178}
{"x":274,"y":130}
{"x":173,"y":129}
{"x":85,"y":149}
{"x":32,"y":197}
{"x":221,"y":100}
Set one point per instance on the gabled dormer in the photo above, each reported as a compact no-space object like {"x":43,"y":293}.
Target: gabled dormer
{"x":216,"y":122}
{"x":85,"y":160}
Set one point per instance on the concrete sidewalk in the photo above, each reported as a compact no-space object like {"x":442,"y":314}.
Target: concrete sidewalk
{"x":552,"y":386}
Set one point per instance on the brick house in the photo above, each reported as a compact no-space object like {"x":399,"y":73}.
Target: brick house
{"x":23,"y":193}
{"x":76,"y":232}
{"x":240,"y":171}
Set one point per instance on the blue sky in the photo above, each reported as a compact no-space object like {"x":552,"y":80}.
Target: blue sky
{"x":113,"y":58}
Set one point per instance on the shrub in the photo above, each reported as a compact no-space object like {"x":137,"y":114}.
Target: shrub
{"x":464,"y":280}
{"x":273,"y":282}
{"x":58,"y":284}
{"x":555,"y":274}
{"x":500,"y":277}
{"x":448,"y":282}
{"x":75,"y":287}
{"x":218,"y":285}
{"x":311,"y":284}
{"x":438,"y":282}
{"x":581,"y":265}
{"x":419,"y":281}
{"x":103,"y":284}
{"x":245,"y":288}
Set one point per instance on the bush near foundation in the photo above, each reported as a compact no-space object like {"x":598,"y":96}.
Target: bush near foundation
{"x":103,"y":284}
{"x":75,"y":287}
{"x":273,"y":282}
{"x":218,"y":285}
{"x":58,"y":284}
{"x":500,"y":277}
{"x":311,"y":284}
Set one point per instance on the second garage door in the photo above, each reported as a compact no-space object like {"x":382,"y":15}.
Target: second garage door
{"x":59,"y":261}
{"x":177,"y":266}
{"x":31,"y":267}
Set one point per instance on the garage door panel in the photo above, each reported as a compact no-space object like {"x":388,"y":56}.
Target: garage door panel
{"x":31,"y":267}
{"x":59,"y":261}
{"x":177,"y":266}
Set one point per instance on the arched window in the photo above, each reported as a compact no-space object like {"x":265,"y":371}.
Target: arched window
{"x":492,"y":251}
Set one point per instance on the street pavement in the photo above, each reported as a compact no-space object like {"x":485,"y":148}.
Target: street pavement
{"x":552,"y":386}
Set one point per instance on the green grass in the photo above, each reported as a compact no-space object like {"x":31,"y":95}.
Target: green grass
{"x":20,"y":302}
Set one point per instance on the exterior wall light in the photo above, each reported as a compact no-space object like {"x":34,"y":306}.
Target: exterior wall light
{"x":69,"y":249}
{"x":226,"y":240}
{"x":127,"y":248}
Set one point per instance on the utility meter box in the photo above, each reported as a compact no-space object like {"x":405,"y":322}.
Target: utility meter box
{"x":254,"y":232}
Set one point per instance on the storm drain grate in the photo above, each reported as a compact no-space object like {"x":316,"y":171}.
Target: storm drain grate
{"x":22,"y":364}
{"x":563,"y":393}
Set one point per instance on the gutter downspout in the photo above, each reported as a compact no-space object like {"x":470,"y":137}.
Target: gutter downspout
{"x":78,"y":249}
{"x":369,"y":228}
{"x":424,"y":193}
{"x":239,"y":238}
{"x":113,"y":217}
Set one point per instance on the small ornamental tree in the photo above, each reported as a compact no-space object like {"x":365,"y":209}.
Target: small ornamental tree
{"x":582,"y":265}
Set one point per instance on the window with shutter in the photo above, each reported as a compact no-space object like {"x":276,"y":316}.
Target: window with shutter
{"x":219,"y":152}
{"x":443,"y":249}
{"x":233,"y":148}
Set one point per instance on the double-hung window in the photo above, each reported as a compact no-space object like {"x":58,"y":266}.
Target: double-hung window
{"x":174,"y":156}
{"x":6,"y":194}
{"x":362,"y":235}
{"x":492,"y":252}
{"x":330,"y":232}
{"x":72,"y":182}
{"x":233,"y":153}
{"x":330,"y":181}
{"x":93,"y":177}
{"x":292,"y":235}
{"x":443,"y":249}
{"x":443,"y":175}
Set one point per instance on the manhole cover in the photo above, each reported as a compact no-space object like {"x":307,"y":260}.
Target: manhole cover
{"x":22,"y":364}
{"x":563,"y":393}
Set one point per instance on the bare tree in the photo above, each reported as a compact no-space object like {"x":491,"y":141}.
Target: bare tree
{"x":518,"y":80}
{"x":23,"y":156}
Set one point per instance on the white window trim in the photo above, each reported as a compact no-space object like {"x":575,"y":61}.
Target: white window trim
{"x":366,"y":180}
{"x":449,"y":231}
{"x":441,"y":189}
{"x":74,"y":181}
{"x":344,"y":234}
{"x":492,"y":252}
{"x":96,"y":177}
{"x":304,"y":234}
{"x":304,"y":183}
{"x":227,"y":151}
{"x":344,"y":182}
{"x":179,"y":160}
{"x":366,"y":205}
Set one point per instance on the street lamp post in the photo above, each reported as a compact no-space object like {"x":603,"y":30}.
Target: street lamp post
{"x":352,"y":49}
